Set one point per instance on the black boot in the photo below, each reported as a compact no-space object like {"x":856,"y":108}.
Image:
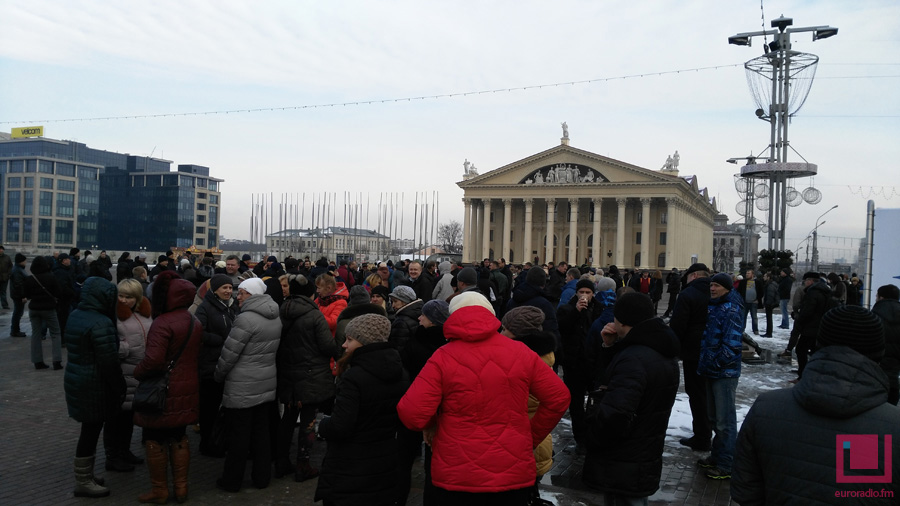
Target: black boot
{"x":115,"y":461}
{"x":57,"y":365}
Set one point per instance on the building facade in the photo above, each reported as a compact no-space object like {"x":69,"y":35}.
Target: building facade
{"x":567,"y":204}
{"x":728,"y":245}
{"x":331,"y":242}
{"x":57,"y":194}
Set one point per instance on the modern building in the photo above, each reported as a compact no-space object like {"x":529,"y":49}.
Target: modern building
{"x":331,"y":242}
{"x":56,"y":194}
{"x":570,"y":204}
{"x":728,"y":245}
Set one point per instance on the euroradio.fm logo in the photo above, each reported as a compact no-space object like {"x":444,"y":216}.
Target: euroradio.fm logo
{"x":863,"y":458}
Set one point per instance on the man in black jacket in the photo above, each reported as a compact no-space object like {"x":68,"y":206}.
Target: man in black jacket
{"x":65,"y":275}
{"x":673,"y":286}
{"x":806,"y":326}
{"x":785,"y":282}
{"x":689,"y":322}
{"x":629,"y":414}
{"x":887,"y":307}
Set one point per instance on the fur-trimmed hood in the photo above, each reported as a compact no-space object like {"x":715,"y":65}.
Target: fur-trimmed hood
{"x":123,"y":312}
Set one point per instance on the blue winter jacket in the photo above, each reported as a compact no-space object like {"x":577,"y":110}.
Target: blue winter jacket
{"x":568,"y":292}
{"x":720,"y":349}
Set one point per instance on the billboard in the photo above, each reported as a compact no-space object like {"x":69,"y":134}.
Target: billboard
{"x":32,"y":131}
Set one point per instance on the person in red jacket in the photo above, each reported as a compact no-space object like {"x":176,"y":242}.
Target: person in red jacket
{"x":332,"y":298}
{"x":471,"y":401}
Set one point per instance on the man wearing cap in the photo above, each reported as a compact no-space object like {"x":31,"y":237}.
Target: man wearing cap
{"x":471,"y":401}
{"x":162,"y":264}
{"x":466,"y":281}
{"x":407,"y":308}
{"x":806,"y":325}
{"x":629,"y":414}
{"x":792,"y":440}
{"x":531,"y":293}
{"x":575,"y":319}
{"x":720,"y":364}
{"x":887,"y":307}
{"x":689,"y":322}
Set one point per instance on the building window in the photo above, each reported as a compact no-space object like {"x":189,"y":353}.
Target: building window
{"x":45,"y":167}
{"x":661,"y":260}
{"x":199,"y":241}
{"x":201,"y":196}
{"x":213,"y":216}
{"x":13,"y":202}
{"x":26,"y":230}
{"x":201,"y":207}
{"x":664,"y":217}
{"x":28,"y":199}
{"x":44,"y":229}
{"x":200,"y":230}
{"x":491,"y":235}
{"x":47,"y":182}
{"x":65,"y":206}
{"x":30,"y":165}
{"x":731,"y":241}
{"x":64,"y":230}
{"x":640,"y":217}
{"x":65,"y":169}
{"x":213,"y":186}
{"x":201,"y":218}
{"x":637,"y":238}
{"x":29,"y":182}
{"x":213,"y":199}
{"x":662,"y":238}
{"x":45,"y":208}
{"x":17,"y":166}
{"x":87,"y":172}
{"x":12,"y":230}
{"x":68,"y":186}
{"x":14,"y":182}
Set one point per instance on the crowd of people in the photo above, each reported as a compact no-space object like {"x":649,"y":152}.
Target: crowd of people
{"x":384,"y":361}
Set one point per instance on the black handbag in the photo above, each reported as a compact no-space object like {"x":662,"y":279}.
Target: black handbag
{"x":150,"y":394}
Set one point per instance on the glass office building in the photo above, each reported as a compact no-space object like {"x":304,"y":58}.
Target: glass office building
{"x":58,"y":194}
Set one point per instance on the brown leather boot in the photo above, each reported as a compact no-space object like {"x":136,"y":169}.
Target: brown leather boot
{"x":180,"y":453}
{"x":157,"y":465}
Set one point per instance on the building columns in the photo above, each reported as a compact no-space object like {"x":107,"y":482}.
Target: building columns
{"x":549,"y":253}
{"x":597,"y":252}
{"x":620,"y":233}
{"x":645,"y":233}
{"x":526,"y":241}
{"x":573,"y":233}
{"x":467,"y":230}
{"x":671,"y":231}
{"x":507,"y":226}
{"x":486,"y":238}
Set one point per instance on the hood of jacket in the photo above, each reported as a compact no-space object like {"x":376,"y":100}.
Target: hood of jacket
{"x":381,"y":360}
{"x":471,"y":323}
{"x":526,"y":292}
{"x":123,"y":312}
{"x":839,"y":382}
{"x":606,"y":298}
{"x":820,"y":286}
{"x":732,"y":296}
{"x":654,"y":334}
{"x":262,"y":305}
{"x":98,"y":295}
{"x":412,"y":310}
{"x":351,"y":312}
{"x":40,"y":265}
{"x":295,"y":307}
{"x":211,"y":297}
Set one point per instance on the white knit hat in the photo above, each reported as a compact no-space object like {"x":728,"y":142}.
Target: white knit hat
{"x":471,"y":298}
{"x":253,"y":286}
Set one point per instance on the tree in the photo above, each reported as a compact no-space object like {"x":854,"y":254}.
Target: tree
{"x":450,"y":236}
{"x":773,"y":261}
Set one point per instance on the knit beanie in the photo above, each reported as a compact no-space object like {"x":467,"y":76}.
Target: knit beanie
{"x":855,"y":327}
{"x":381,"y":291}
{"x":468,"y":276}
{"x":584,"y":283}
{"x":536,"y":277}
{"x":523,"y":320}
{"x":369,"y":328}
{"x":633,"y":308}
{"x":722,"y":279}
{"x":218,"y":281}
{"x":253,"y":286}
{"x":359,"y":295}
{"x":162,"y":258}
{"x":472,"y":298}
{"x":604,"y":284}
{"x":404,"y":294}
{"x":299,"y":285}
{"x":20,"y":258}
{"x":437,"y":311}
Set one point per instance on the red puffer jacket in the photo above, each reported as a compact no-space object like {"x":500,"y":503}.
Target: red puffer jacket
{"x":475,"y":391}
{"x":166,"y":335}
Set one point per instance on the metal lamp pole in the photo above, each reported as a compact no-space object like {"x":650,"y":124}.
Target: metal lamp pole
{"x":815,"y":235}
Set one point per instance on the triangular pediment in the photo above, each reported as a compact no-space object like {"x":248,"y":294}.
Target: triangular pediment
{"x":565,"y":165}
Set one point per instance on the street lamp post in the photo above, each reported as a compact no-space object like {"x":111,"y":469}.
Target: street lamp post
{"x":815,"y":234}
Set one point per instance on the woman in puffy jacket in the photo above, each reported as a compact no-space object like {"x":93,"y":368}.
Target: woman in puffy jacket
{"x":247,"y":367}
{"x":132,"y":325}
{"x":173,"y":329}
{"x":360,"y":465}
{"x":216,"y":314}
{"x":304,"y":374}
{"x":332,"y":298}
{"x":93,"y":381}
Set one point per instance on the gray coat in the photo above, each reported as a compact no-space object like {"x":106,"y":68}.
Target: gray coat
{"x":786,"y":447}
{"x":247,"y":363}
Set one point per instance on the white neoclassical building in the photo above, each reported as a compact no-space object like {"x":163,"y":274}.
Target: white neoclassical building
{"x":599,"y":211}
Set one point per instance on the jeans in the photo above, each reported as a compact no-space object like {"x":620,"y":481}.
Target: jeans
{"x":39,"y":318}
{"x":695,"y":388}
{"x":18,"y":311}
{"x":723,"y":418}
{"x":4,"y":285}
{"x":752,"y":308}
{"x":785,"y":318}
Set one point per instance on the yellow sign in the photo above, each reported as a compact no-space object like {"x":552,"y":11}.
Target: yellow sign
{"x":36,"y":131}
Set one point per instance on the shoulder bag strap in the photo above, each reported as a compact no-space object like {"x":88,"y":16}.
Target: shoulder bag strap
{"x":184,"y":345}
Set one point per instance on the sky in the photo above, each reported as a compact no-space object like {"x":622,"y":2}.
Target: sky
{"x":663,"y":78}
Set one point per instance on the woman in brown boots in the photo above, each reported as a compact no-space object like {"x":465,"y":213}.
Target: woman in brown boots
{"x":174,"y":330}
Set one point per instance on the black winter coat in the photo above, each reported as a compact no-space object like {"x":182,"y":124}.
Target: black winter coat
{"x":784,"y":287}
{"x":423,"y":286}
{"x":812,"y":309}
{"x":361,"y":460}
{"x":42,"y":287}
{"x":65,"y":276}
{"x":785,"y":450}
{"x":530,"y":295}
{"x":305,"y":353}
{"x":889,"y":312}
{"x":405,"y":323}
{"x":627,"y":424}
{"x":573,"y":330}
{"x":421,"y":347}
{"x":216,"y":318}
{"x":689,"y":317}
{"x":351,"y":312}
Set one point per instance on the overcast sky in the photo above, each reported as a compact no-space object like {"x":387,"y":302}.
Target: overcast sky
{"x":87,"y":59}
